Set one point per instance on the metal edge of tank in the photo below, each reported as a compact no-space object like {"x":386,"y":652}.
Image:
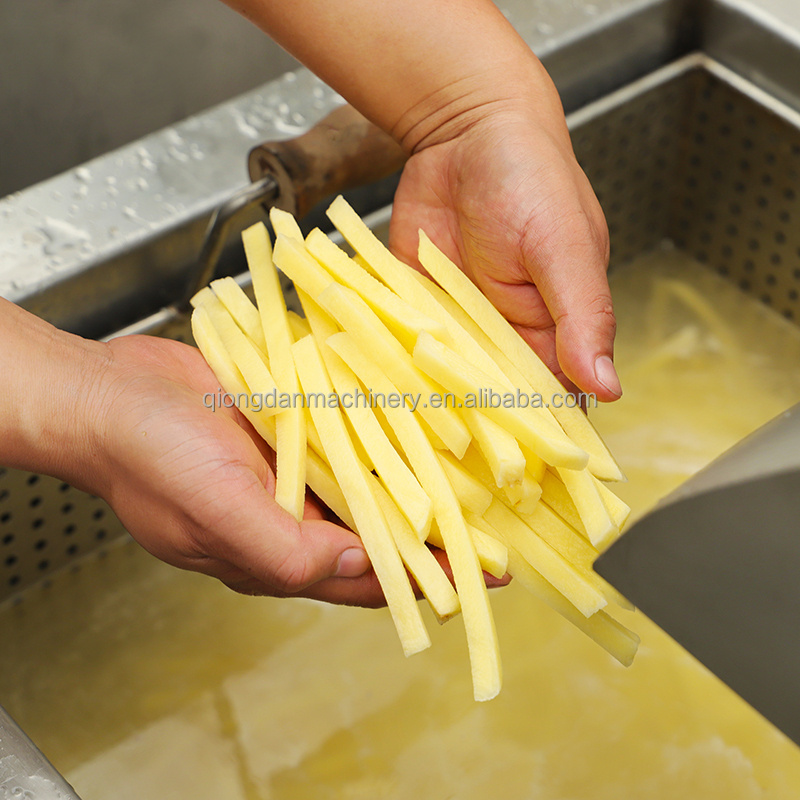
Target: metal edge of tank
{"x":114,"y":240}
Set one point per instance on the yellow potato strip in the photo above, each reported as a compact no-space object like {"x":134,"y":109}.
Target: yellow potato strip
{"x":355,"y":316}
{"x":421,"y":562}
{"x":400,"y":317}
{"x":514,"y":533}
{"x":370,"y":522}
{"x":457,"y":375}
{"x":319,"y":475}
{"x":515,"y":350}
{"x":471,"y":588}
{"x":241,"y":309}
{"x":290,"y":478}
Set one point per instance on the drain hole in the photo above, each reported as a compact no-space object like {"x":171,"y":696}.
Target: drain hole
{"x":66,"y":508}
{"x":11,"y":560}
{"x":69,"y":530}
{"x":8,"y":538}
{"x":43,"y":565}
{"x":99,"y":513}
{"x":40,"y":545}
{"x":5,"y":517}
{"x":32,"y":480}
{"x":35,"y":501}
{"x":37,"y":523}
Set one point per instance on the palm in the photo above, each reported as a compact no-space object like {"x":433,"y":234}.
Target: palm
{"x":516,"y":223}
{"x":195,"y":487}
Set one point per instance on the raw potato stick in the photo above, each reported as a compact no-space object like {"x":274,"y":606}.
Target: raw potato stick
{"x":370,"y":523}
{"x":241,"y":309}
{"x":249,"y":361}
{"x":290,"y":477}
{"x":464,"y":380}
{"x":499,"y":448}
{"x":471,"y":588}
{"x":319,"y":475}
{"x":421,"y":562}
{"x":398,"y":479}
{"x":400,"y":317}
{"x":514,"y":533}
{"x":597,"y":523}
{"x":471,"y":493}
{"x":574,"y":422}
{"x":355,"y":317}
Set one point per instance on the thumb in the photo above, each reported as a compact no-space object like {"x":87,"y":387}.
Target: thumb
{"x":579,"y":300}
{"x":283,"y":556}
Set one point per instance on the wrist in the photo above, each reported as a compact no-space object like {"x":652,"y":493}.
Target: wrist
{"x":49,"y":416}
{"x":516,"y":88}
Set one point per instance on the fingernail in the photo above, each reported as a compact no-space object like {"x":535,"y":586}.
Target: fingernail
{"x":352,"y":563}
{"x":607,"y":376}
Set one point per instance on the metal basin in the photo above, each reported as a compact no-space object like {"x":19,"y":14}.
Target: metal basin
{"x":693,"y":153}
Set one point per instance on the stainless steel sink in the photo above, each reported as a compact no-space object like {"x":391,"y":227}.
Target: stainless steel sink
{"x":686,"y":117}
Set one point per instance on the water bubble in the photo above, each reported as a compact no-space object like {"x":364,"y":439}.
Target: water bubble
{"x":61,"y":236}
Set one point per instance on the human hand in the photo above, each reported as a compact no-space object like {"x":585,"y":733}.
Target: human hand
{"x":506,"y":200}
{"x":195,"y":487}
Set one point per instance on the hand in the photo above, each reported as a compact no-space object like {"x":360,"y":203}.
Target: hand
{"x":195,"y":486}
{"x":507,"y":201}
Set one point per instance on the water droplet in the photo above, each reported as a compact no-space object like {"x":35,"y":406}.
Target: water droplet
{"x":83,"y":174}
{"x":61,"y":236}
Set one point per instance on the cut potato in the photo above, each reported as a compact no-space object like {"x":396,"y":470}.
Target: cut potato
{"x":398,"y":479}
{"x":369,"y":520}
{"x":499,"y":448}
{"x":400,"y":317}
{"x":471,"y":493}
{"x":467,"y":383}
{"x":514,"y":533}
{"x":597,"y":523}
{"x":248,"y":359}
{"x":290,"y":423}
{"x":419,"y":559}
{"x":574,"y":422}
{"x":354,"y":316}
{"x":245,"y":314}
{"x":393,"y":419}
{"x":478,"y":620}
{"x":318,"y":473}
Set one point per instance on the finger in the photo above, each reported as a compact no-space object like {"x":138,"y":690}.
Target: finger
{"x":269,"y":545}
{"x":573,"y":283}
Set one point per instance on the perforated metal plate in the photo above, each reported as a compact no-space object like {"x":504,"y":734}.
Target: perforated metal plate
{"x":691,"y":154}
{"x":708,"y":162}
